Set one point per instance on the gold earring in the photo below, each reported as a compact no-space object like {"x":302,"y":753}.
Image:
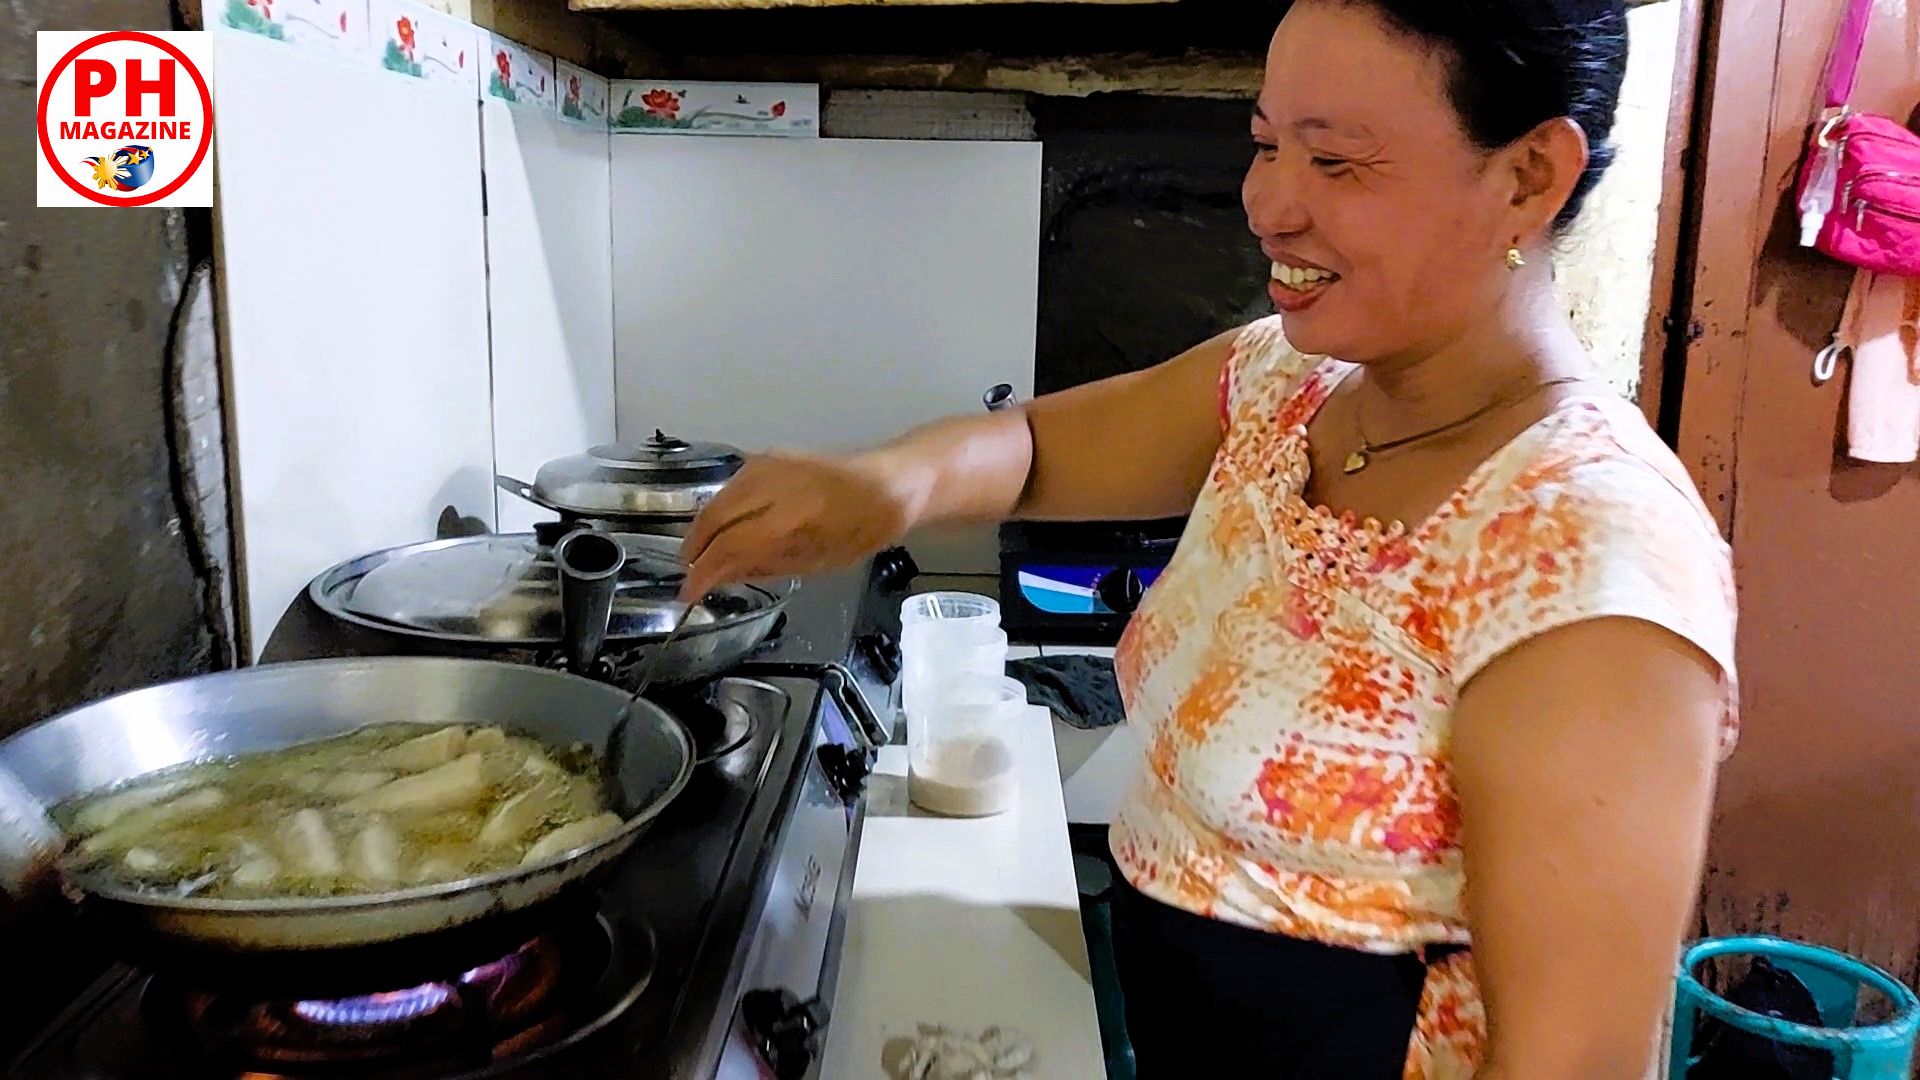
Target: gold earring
{"x":1515,"y":260}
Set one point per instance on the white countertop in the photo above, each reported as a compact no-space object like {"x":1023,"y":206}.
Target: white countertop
{"x":966,"y":923}
{"x":1097,"y":765}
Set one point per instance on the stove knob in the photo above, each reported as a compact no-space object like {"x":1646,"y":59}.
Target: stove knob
{"x":894,"y":569}
{"x":784,"y":1029}
{"x":1120,"y":589}
{"x":846,"y":769}
{"x":883,"y":652}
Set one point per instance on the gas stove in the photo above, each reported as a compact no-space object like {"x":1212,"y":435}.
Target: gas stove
{"x":711,"y":951}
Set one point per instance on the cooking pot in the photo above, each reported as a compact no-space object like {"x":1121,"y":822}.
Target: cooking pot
{"x":652,"y":486}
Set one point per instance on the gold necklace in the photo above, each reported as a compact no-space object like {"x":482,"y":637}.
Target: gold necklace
{"x":1362,"y":455}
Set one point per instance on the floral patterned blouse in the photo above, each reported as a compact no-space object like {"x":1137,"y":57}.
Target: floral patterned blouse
{"x":1293,"y":673}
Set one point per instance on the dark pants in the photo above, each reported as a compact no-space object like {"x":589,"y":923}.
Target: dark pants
{"x":1210,"y":999}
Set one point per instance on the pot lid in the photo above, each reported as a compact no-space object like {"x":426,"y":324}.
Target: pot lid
{"x":504,"y":589}
{"x":666,"y":456}
{"x":663,"y":475}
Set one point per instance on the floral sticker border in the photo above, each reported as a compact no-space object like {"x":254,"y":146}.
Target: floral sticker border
{"x":696,"y":108}
{"x":333,"y":27}
{"x":581,"y":96}
{"x":519,"y":75}
{"x":424,"y":43}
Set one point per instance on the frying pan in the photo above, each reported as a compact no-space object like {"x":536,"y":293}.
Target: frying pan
{"x":743,"y":616}
{"x":269,"y":707}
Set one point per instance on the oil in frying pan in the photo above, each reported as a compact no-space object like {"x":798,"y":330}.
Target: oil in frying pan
{"x":387,"y":807}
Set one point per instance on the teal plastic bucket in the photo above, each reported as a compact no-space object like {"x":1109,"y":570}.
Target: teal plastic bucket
{"x":1877,"y":1051}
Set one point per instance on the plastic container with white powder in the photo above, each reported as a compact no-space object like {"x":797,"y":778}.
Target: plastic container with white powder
{"x":960,"y":746}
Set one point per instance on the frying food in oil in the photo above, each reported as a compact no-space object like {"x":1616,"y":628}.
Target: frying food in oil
{"x":383,"y":808}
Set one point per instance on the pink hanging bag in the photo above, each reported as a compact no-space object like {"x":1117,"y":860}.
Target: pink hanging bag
{"x":1859,"y":191}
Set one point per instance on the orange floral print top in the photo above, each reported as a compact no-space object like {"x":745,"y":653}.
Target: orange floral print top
{"x":1293,"y":673}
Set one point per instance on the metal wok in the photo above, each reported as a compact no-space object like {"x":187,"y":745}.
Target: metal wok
{"x":415,"y":600}
{"x":277,"y":705}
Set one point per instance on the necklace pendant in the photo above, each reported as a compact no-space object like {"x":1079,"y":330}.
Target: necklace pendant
{"x":1355,"y":462}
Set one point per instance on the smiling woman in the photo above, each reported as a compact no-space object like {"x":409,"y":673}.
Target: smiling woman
{"x":1434,"y":691}
{"x":1410,"y":158}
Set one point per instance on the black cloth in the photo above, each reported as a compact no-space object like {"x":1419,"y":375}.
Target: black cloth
{"x":1727,"y":1053}
{"x":1209,"y":998}
{"x":1081,"y":690}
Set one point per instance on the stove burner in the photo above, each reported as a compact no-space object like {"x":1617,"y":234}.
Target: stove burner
{"x":394,"y":1008}
{"x":719,"y":717}
{"x":497,"y":969}
{"x":376,"y":1010}
{"x":543,"y":993}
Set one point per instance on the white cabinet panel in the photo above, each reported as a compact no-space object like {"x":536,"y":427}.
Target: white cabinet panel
{"x":814,"y":293}
{"x":354,"y":286}
{"x":551,"y":290}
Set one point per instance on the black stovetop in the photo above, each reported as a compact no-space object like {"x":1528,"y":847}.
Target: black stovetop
{"x":650,"y":992}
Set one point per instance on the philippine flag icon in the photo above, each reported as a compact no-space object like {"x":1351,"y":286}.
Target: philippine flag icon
{"x":126,"y":169}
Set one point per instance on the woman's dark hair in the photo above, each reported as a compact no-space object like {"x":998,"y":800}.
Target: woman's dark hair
{"x":1516,"y":64}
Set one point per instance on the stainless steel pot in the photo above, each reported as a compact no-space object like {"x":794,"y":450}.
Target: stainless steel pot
{"x":500,"y":597}
{"x":273,"y":706}
{"x":663,"y":481}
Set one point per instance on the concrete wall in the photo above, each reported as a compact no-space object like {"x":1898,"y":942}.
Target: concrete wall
{"x":97,"y":587}
{"x":1604,"y":268}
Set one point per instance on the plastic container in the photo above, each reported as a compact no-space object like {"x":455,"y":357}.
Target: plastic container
{"x":960,"y":749}
{"x":1878,"y":1049}
{"x":930,"y":655}
{"x":944,"y":635}
{"x":950,"y":607}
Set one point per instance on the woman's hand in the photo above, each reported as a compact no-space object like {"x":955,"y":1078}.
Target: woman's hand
{"x":786,"y":515}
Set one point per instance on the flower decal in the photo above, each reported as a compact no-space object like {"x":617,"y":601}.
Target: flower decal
{"x":505,"y":64}
{"x":662,"y":103}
